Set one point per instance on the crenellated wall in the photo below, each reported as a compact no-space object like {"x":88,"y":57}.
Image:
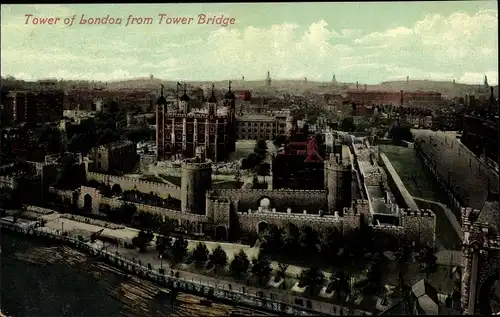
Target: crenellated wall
{"x":249,"y":221}
{"x":98,"y":199}
{"x":419,"y":225}
{"x":129,"y":183}
{"x":298,"y":200}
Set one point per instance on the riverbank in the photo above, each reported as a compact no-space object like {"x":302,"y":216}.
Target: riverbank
{"x":210,"y":291}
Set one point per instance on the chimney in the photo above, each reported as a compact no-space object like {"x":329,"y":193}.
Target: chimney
{"x":357,"y":85}
{"x":401,"y":97}
{"x":365,"y":87}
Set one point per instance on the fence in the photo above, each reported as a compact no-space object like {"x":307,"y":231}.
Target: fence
{"x":203,"y":288}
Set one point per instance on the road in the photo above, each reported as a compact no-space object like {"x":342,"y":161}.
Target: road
{"x":54,"y":223}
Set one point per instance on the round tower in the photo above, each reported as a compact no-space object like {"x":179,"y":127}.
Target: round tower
{"x":334,"y":180}
{"x":196,"y":179}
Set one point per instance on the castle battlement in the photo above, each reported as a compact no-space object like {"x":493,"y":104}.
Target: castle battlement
{"x":360,"y":202}
{"x":390,"y":228}
{"x":119,"y":179}
{"x":417,"y":213}
{"x":284,"y":215}
{"x":217,"y":192}
{"x":196,"y":165}
{"x":155,"y":209}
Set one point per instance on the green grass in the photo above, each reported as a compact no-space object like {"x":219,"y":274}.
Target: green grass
{"x":151,"y":178}
{"x":172,"y":179}
{"x":227,"y":185}
{"x":412,"y":172}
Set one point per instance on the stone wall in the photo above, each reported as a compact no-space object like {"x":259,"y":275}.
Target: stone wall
{"x":249,"y":221}
{"x":419,"y":225}
{"x":167,"y":213}
{"x":38,"y":210}
{"x":298,"y":200}
{"x":202,"y":288}
{"x":396,"y":184}
{"x":128,"y":183}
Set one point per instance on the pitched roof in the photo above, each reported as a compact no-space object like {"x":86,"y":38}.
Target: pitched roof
{"x":426,"y":298}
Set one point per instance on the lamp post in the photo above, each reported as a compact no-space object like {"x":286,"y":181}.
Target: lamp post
{"x":161,"y":262}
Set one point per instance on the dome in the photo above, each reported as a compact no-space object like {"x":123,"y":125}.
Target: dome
{"x":230,"y":95}
{"x":161,"y":101}
{"x":212,"y":98}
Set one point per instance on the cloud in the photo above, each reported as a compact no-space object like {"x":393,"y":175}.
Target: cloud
{"x":461,"y":46}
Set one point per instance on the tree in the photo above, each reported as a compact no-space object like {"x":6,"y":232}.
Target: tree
{"x":401,"y":133}
{"x":260,"y":149}
{"x":282,"y":267}
{"x":200,"y":254}
{"x":347,"y":125}
{"x":312,"y":277}
{"x":251,"y":161}
{"x":218,"y":257}
{"x":163,"y":244}
{"x":240,"y":264}
{"x":142,"y":240}
{"x":330,"y":244}
{"x":261,"y":268}
{"x":308,"y":240}
{"x":263,"y":169}
{"x":179,"y":249}
{"x":290,"y":238}
{"x":127,"y":212}
{"x":271,"y":240}
{"x":279,"y":140}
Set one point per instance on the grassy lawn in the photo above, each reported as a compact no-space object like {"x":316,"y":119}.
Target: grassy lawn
{"x":421,"y":184}
{"x":227,"y":185}
{"x":172,"y":179}
{"x":151,"y":178}
{"x":418,"y":181}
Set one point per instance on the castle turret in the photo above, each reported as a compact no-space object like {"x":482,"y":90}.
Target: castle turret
{"x":161,"y":108}
{"x":184,"y":101}
{"x":196,"y":179}
{"x":212,"y":103}
{"x":230,"y":103}
{"x":335,"y":173}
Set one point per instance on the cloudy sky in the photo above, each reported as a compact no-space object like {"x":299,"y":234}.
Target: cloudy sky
{"x":365,"y":42}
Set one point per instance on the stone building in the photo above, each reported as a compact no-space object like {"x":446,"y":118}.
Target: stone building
{"x":299,"y":166}
{"x":180,"y":131}
{"x":343,"y":203}
{"x":481,"y":250}
{"x":262,"y":127}
{"x":117,"y":157}
{"x":32,"y":106}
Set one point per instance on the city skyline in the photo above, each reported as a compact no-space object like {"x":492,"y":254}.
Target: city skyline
{"x":441,"y":41}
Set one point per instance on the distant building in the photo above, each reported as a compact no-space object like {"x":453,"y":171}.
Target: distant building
{"x":262,"y":127}
{"x":403,"y":98}
{"x":299,"y":166}
{"x":180,"y":130}
{"x":116,"y":157}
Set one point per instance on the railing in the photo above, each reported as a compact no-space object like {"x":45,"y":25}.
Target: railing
{"x":199,"y":286}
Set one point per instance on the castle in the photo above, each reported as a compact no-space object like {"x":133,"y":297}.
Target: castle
{"x":347,"y":201}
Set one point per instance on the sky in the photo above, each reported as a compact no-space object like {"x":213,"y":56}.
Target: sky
{"x":367,"y":42}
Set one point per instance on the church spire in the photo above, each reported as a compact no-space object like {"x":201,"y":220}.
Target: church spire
{"x":161,"y":91}
{"x":486,"y":81}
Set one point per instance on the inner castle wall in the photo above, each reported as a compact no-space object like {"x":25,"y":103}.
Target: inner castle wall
{"x":129,"y":183}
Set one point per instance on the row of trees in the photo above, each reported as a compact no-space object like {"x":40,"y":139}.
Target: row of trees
{"x":333,"y":247}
